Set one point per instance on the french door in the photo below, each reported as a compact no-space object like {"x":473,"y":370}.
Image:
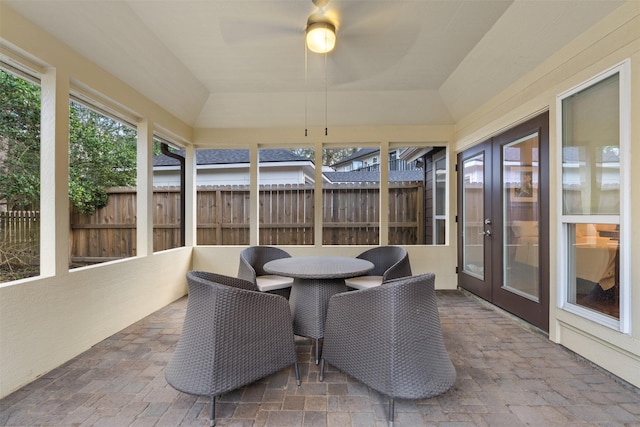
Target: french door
{"x":503,"y":220}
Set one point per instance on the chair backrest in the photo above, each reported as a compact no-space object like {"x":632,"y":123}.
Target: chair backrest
{"x":390,"y":262}
{"x":221,"y":344}
{"x":253,"y":259}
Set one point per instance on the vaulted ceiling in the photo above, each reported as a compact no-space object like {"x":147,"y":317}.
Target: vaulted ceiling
{"x":241,"y":64}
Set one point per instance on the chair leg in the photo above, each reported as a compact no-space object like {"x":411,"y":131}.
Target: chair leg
{"x":391,"y":410}
{"x":317,"y":350}
{"x":297,"y":370}
{"x":322,"y":369}
{"x":212,"y":415}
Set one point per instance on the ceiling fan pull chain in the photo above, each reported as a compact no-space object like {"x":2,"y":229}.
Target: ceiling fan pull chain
{"x":326,"y":132}
{"x":306,"y":90}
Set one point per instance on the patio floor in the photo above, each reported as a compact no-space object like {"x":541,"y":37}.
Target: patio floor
{"x":508,"y":375}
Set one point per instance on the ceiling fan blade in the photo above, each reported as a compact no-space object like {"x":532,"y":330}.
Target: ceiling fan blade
{"x":235,"y":31}
{"x":368,"y":43}
{"x":255,"y":21}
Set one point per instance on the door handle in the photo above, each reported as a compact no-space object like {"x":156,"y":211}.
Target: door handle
{"x":487,"y":233}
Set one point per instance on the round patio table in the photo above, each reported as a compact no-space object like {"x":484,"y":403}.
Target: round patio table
{"x":315,"y":280}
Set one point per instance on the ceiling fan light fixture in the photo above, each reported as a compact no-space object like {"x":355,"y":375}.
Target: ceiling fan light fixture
{"x":321,"y":37}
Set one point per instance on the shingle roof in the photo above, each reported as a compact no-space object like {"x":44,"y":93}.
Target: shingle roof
{"x":360,"y":153}
{"x":369,"y":176}
{"x":221,"y":157}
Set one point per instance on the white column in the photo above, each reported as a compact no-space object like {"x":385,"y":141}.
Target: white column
{"x":384,"y":193}
{"x":254,"y":190}
{"x":54,"y":174}
{"x":144,"y":191}
{"x":190,"y":194}
{"x":317,"y":197}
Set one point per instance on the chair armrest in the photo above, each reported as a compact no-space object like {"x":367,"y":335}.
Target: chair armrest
{"x":225,"y":280}
{"x":246,"y":270}
{"x":400,"y":269}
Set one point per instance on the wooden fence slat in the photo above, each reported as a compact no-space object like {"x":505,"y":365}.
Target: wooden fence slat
{"x":350,"y":216}
{"x":20,"y":237}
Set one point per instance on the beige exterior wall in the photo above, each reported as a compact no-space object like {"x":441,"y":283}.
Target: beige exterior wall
{"x":610,"y":42}
{"x":48,"y":320}
{"x":440,"y":260}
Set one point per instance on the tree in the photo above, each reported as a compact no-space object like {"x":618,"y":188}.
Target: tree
{"x":19,"y":143}
{"x":102,"y":154}
{"x":329,"y":155}
{"x":102,"y":151}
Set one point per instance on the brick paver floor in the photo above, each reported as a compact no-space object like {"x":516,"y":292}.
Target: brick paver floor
{"x":508,"y":375}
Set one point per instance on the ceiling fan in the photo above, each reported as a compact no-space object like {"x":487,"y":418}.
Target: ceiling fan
{"x":371,"y":35}
{"x":321,"y":31}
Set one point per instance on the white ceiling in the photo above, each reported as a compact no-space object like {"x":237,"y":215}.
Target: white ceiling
{"x":241,"y":64}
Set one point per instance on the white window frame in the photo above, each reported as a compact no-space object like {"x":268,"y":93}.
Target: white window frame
{"x":623,"y":324}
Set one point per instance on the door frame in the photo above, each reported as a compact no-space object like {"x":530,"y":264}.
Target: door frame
{"x":473,"y":284}
{"x":491,"y":289}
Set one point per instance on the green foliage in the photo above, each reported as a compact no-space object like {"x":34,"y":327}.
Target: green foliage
{"x":102,"y":154}
{"x":19,"y":143}
{"x":329,"y":155}
{"x":102,"y":151}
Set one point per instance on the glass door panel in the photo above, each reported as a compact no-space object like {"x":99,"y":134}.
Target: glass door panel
{"x":503,"y":213}
{"x":520,"y":183}
{"x":473,"y":245}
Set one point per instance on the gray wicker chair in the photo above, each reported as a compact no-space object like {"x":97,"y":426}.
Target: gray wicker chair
{"x":232,"y":336}
{"x":389,"y":338}
{"x":390,"y":262}
{"x":251,"y":268}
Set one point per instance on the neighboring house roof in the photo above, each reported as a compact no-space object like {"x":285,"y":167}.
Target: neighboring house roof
{"x":410,"y":154}
{"x":369,"y":176}
{"x":363,"y":152}
{"x":221,"y":157}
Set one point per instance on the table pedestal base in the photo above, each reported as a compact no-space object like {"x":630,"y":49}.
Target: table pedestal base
{"x":309,"y":301}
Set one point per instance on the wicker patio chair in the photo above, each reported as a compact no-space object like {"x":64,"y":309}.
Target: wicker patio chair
{"x":232,"y":336}
{"x":389,"y":338}
{"x":252,"y":261}
{"x":390,"y":262}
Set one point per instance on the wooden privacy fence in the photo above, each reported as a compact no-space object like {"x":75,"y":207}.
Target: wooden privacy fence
{"x":350,"y":212}
{"x":109,"y":233}
{"x":19,"y":237}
